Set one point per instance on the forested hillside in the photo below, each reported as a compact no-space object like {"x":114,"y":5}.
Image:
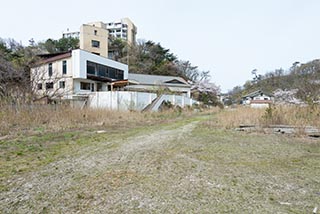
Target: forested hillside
{"x":302,"y":78}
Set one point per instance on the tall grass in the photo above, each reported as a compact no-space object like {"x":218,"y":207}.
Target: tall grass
{"x":37,"y":118}
{"x":274,"y":115}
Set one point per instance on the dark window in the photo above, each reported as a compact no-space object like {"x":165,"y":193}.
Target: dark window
{"x":62,"y":84}
{"x":99,"y":86}
{"x":95,"y":32}
{"x":49,"y":85}
{"x":95,"y":43}
{"x":91,"y":68}
{"x":84,"y":86}
{"x":104,"y":71}
{"x":110,"y":54}
{"x":64,"y":67}
{"x":50,"y":69}
{"x":39,"y":86}
{"x":112,"y":72}
{"x":119,"y":74}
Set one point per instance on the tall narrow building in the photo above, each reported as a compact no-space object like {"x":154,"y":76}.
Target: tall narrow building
{"x":94,"y":38}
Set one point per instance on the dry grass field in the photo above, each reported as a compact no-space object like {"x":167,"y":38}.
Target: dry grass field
{"x":169,"y":162}
{"x":274,"y":115}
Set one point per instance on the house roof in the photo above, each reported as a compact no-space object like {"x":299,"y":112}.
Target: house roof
{"x":46,"y":58}
{"x":256,"y":93}
{"x":145,"y":79}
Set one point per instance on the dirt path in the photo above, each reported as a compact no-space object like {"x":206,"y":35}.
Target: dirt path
{"x":99,"y":179}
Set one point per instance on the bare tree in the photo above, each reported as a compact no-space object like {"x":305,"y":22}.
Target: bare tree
{"x":14,"y":82}
{"x":49,"y":86}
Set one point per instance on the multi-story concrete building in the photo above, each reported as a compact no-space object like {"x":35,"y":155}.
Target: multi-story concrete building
{"x":71,"y":34}
{"x":94,"y":37}
{"x":124,"y":29}
{"x":77,"y":72}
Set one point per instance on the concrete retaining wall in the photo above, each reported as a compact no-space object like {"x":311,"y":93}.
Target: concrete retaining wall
{"x":127,"y":100}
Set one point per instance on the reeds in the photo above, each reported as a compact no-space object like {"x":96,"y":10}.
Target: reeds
{"x":274,"y":115}
{"x":37,"y":118}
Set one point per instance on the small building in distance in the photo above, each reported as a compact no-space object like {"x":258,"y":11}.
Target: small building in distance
{"x":258,"y":99}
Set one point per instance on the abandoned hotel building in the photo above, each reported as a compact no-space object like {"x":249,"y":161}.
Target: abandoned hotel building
{"x":78,"y":75}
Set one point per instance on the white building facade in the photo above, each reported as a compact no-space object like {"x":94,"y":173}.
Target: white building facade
{"x":75,"y":73}
{"x":124,"y":29}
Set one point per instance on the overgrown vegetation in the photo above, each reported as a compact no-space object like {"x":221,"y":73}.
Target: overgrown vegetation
{"x":35,"y":119}
{"x":57,"y":46}
{"x":35,"y":135}
{"x":15,"y":64}
{"x":274,"y":115}
{"x":303,"y":77}
{"x":181,"y":167}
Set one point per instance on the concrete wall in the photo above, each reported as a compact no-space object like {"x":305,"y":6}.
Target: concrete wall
{"x":259,"y":105}
{"x":126,"y":100}
{"x":185,"y":91}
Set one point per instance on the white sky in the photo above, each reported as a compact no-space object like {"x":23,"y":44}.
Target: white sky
{"x":228,"y":37}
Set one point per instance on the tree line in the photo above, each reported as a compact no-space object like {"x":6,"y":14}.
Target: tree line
{"x":302,"y":77}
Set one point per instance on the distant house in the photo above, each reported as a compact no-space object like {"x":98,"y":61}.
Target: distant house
{"x":77,"y":72}
{"x":154,"y":83}
{"x":258,"y":99}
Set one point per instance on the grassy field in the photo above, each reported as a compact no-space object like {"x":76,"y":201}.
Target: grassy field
{"x":171,"y":164}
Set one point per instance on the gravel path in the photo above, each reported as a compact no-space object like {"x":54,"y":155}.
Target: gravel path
{"x":104,"y":178}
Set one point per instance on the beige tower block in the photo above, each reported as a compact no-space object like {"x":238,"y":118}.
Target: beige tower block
{"x":94,"y":38}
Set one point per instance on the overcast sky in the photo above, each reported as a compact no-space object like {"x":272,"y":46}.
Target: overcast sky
{"x":228,"y":37}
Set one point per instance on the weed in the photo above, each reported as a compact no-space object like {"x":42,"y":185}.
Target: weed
{"x":275,"y":115}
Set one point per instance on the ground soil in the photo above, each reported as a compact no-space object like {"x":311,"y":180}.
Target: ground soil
{"x":184,"y":167}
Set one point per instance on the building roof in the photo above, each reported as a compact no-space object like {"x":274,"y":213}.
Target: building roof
{"x":145,"y":79}
{"x":256,"y":93}
{"x":46,"y":58}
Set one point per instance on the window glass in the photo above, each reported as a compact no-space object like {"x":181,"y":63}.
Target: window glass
{"x":95,"y":43}
{"x":49,"y":85}
{"x":91,"y":68}
{"x":50,"y":69}
{"x":104,"y":71}
{"x":62,"y":84}
{"x":84,"y":86}
{"x":64,"y":67}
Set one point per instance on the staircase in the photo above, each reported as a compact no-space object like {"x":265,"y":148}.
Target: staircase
{"x":155,"y":104}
